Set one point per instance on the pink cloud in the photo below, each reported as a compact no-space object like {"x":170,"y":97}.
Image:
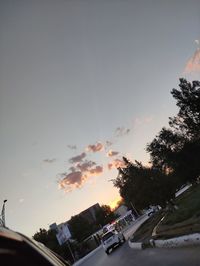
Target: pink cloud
{"x":79,"y":175}
{"x":112,"y":153}
{"x":95,"y":147}
{"x":78,"y":158}
{"x":96,"y":171}
{"x":85,"y":166}
{"x":193,"y":64}
{"x":115,"y":164}
{"x":71,"y":181}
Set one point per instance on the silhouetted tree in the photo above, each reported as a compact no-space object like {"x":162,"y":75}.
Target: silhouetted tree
{"x":143,"y":186}
{"x":105,"y":215}
{"x":178,"y":149}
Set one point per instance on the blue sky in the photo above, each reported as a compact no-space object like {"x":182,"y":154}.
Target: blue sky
{"x":71,"y":73}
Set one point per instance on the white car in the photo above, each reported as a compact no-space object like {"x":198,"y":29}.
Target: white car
{"x":111,"y":240}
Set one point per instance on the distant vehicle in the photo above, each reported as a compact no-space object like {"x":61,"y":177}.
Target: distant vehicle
{"x":17,"y":249}
{"x":152,"y":210}
{"x":111,"y":240}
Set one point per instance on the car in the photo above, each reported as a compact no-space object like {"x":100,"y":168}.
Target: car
{"x":112,"y":239}
{"x":17,"y":249}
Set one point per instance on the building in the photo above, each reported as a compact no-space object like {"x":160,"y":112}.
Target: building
{"x":122,"y":210}
{"x":90,"y":213}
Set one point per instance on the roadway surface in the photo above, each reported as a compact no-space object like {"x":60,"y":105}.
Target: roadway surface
{"x":125,"y":256}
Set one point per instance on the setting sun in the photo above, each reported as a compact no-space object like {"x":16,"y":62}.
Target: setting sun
{"x":114,"y":203}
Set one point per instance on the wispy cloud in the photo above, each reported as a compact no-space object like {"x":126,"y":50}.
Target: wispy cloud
{"x":95,"y":147}
{"x":49,"y":160}
{"x":122,"y":131}
{"x":78,"y":158}
{"x":193,"y":64}
{"x":115,"y":164}
{"x":112,"y":153}
{"x":72,"y":147}
{"x":108,"y":143}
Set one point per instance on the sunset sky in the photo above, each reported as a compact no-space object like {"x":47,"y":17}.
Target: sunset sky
{"x":83,"y":83}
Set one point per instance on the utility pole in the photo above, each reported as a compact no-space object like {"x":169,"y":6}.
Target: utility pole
{"x":2,"y":217}
{"x":134,"y":209}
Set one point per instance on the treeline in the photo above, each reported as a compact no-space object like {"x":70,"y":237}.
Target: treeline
{"x":174,"y":155}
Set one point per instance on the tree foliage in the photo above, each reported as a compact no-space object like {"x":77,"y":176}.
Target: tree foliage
{"x":143,"y":186}
{"x":105,"y":215}
{"x":80,"y":227}
{"x":187,"y":121}
{"x":48,"y":238}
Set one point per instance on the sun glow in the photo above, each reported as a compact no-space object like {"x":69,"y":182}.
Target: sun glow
{"x":114,"y":203}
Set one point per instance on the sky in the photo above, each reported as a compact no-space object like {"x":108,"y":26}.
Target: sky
{"x":83,"y":83}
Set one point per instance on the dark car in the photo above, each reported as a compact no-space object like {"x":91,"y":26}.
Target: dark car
{"x":17,"y":249}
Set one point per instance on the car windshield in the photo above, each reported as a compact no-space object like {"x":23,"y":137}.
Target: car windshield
{"x":107,"y":236}
{"x":100,"y":128}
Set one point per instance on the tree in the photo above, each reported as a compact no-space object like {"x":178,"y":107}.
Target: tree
{"x":187,"y":121}
{"x":105,"y":215}
{"x":80,"y":227}
{"x":143,"y":186}
{"x":48,"y":238}
{"x":164,"y":147}
{"x":178,"y":149}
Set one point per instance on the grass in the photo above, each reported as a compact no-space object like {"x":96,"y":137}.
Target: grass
{"x":184,"y":220}
{"x":144,"y":232}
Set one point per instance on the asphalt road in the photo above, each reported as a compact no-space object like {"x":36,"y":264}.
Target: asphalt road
{"x":125,"y":256}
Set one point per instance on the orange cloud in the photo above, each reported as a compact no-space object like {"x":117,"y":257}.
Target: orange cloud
{"x":116,"y":164}
{"x":95,"y":147}
{"x":193,"y":64}
{"x":112,"y":153}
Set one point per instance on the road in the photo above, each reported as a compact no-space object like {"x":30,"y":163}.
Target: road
{"x":125,"y":256}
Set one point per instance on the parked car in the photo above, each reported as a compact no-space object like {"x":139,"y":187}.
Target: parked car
{"x":111,"y":240}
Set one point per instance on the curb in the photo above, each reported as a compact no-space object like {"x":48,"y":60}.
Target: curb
{"x":87,"y":256}
{"x":181,"y":241}
{"x":135,"y":245}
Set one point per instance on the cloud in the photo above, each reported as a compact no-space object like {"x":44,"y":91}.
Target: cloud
{"x":85,"y":166}
{"x":49,"y":160}
{"x":77,"y":179}
{"x":122,"y":131}
{"x":112,"y":153}
{"x":193,"y":64}
{"x":96,"y":171}
{"x":95,"y":147}
{"x":71,"y":181}
{"x":72,"y":147}
{"x":108,"y":143}
{"x":116,"y":164}
{"x":78,"y":158}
